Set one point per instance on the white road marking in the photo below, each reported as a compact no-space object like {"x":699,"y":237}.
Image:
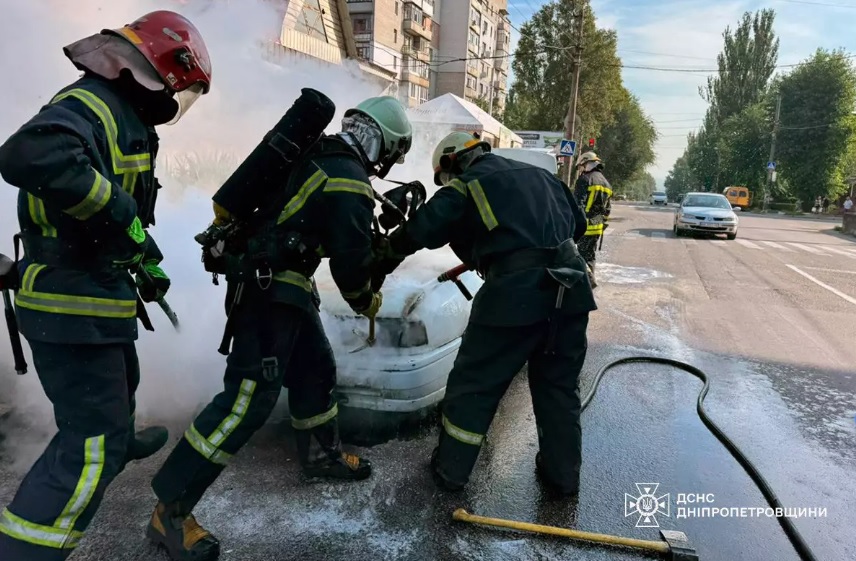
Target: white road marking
{"x":832,"y":270}
{"x":747,"y":243}
{"x":824,"y":285}
{"x":807,"y":248}
{"x":658,"y":236}
{"x":839,"y":251}
{"x":718,"y":242}
{"x":779,"y":246}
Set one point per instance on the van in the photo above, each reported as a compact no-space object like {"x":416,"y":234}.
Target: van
{"x":738,"y":196}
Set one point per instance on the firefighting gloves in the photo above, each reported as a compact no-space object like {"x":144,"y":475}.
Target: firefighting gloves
{"x":373,"y":308}
{"x":139,"y":242}
{"x":152,"y":282}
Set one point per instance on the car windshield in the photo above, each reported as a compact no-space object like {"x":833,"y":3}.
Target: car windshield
{"x":659,"y":194}
{"x":708,"y":201}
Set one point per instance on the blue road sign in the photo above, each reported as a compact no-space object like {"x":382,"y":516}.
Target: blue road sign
{"x":568,"y":148}
{"x":771,"y":166}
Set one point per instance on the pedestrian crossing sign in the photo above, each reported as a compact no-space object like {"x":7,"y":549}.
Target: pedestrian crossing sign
{"x":568,"y":148}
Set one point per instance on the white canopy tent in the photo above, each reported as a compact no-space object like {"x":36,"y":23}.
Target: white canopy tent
{"x":450,"y":111}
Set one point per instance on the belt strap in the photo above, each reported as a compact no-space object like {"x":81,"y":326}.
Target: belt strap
{"x":55,"y":252}
{"x":519,"y":260}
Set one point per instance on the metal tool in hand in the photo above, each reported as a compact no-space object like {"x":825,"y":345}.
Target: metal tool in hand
{"x":370,"y":340}
{"x":453,"y":275}
{"x":8,"y":283}
{"x":173,"y":317}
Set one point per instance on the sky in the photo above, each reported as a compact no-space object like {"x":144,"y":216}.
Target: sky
{"x":687,"y":34}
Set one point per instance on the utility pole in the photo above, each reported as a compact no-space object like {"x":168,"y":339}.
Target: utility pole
{"x":576,"y":58}
{"x":770,"y":172}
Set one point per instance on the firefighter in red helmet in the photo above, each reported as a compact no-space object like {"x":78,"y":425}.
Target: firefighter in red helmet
{"x":84,"y":169}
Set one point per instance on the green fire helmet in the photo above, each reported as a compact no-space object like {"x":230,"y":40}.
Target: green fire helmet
{"x":450,"y":149}
{"x":390,"y":116}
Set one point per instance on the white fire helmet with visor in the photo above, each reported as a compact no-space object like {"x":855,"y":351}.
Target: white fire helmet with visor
{"x":381,"y":127}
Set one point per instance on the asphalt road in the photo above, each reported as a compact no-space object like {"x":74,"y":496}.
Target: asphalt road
{"x":769,"y":316}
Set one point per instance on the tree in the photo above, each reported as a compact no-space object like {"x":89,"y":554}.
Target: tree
{"x":543,"y":72}
{"x":680,"y":179}
{"x":639,"y":187}
{"x":744,"y":141}
{"x":746,"y":64}
{"x":484,"y":104}
{"x":627,"y":144}
{"x":817,"y":125}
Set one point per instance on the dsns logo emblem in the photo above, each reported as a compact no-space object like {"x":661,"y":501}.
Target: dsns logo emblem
{"x":647,"y":505}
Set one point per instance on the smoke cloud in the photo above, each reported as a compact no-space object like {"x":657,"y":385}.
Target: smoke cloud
{"x":254,"y":83}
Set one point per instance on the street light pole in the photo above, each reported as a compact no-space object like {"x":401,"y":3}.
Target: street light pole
{"x":571,"y":118}
{"x":769,"y":185}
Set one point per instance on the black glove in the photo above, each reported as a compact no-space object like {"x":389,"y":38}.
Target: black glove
{"x":152,"y":282}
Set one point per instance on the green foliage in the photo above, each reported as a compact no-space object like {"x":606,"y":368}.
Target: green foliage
{"x":543,"y":72}
{"x":627,"y":144}
{"x":743,"y":148}
{"x":817,"y":126}
{"x":680,"y":179}
{"x":637,"y":188}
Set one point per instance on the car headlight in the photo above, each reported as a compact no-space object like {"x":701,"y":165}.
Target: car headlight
{"x":687,"y":217}
{"x":412,"y":334}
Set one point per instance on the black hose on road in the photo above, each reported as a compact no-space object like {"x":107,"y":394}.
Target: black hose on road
{"x":793,"y":535}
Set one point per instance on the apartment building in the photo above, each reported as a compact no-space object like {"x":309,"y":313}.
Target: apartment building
{"x":477,"y":37}
{"x":399,"y":36}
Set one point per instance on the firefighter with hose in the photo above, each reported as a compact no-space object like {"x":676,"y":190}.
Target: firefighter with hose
{"x":299,"y":197}
{"x":594,"y":194}
{"x":84,"y":167}
{"x":516,"y":224}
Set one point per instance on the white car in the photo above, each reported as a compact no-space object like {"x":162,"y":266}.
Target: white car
{"x":658,"y":198}
{"x":709,"y":213}
{"x":418,"y":331}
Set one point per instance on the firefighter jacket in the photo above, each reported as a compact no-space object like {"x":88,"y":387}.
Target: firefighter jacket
{"x":84,"y":168}
{"x":330,"y":205}
{"x":496,"y":209}
{"x":594,"y":194}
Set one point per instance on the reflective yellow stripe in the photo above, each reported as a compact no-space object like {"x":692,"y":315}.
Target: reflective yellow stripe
{"x":76,"y":305}
{"x":341,"y":185}
{"x":460,"y":434}
{"x":47,"y":536}
{"x":29,"y":279}
{"x":480,"y":199}
{"x":292,"y":277}
{"x":316,"y":421}
{"x":239,"y":409}
{"x":297,"y":201}
{"x":121,"y":162}
{"x":93,"y":465}
{"x":205,"y":448}
{"x":594,"y":229}
{"x":592,"y":190}
{"x":39,"y":216}
{"x":458,"y":186}
{"x":357,"y":293}
{"x":129,"y":182}
{"x":94,"y":201}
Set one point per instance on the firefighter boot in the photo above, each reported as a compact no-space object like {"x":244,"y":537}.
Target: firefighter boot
{"x":321,"y":455}
{"x":146,"y":442}
{"x":181,"y":535}
{"x":553,"y":488}
{"x":590,"y":267}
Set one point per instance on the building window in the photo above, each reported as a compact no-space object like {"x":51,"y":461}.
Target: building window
{"x":418,"y":92}
{"x":407,"y":40}
{"x":310,"y":21}
{"x":413,"y":13}
{"x":471,"y":82}
{"x":396,"y":8}
{"x":395,"y":36}
{"x":395,"y":62}
{"x":473,"y":41}
{"x":361,"y":25}
{"x":364,"y":51}
{"x":475,"y":17}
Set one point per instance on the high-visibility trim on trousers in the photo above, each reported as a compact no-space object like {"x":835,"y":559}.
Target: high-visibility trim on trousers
{"x":210,"y":447}
{"x":462,"y":435}
{"x":62,"y":534}
{"x":317,"y":420}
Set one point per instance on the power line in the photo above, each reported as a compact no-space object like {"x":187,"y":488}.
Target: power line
{"x":851,"y":6}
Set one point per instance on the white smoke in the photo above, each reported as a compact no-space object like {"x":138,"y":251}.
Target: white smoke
{"x":251,"y":90}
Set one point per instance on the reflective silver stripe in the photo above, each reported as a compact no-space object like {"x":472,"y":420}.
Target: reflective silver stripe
{"x":239,"y":410}
{"x":340,"y":185}
{"x":47,"y":536}
{"x":296,"y":203}
{"x":95,"y":200}
{"x":93,"y":465}
{"x":316,"y":421}
{"x":205,"y":448}
{"x":76,"y":305}
{"x":483,"y":205}
{"x":464,"y":436}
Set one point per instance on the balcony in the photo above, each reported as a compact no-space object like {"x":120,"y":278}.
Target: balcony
{"x":419,"y":54}
{"x":365,"y":37}
{"x":413,"y":76}
{"x":501,"y":63}
{"x":422,"y":30}
{"x":360,"y":6}
{"x":427,"y":6}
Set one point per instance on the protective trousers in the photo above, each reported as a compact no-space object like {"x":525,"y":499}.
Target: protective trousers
{"x":275,"y":345}
{"x":487,"y":362}
{"x":588,"y":247}
{"x":92,"y":390}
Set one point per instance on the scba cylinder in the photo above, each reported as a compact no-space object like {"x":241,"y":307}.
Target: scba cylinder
{"x":266,"y":169}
